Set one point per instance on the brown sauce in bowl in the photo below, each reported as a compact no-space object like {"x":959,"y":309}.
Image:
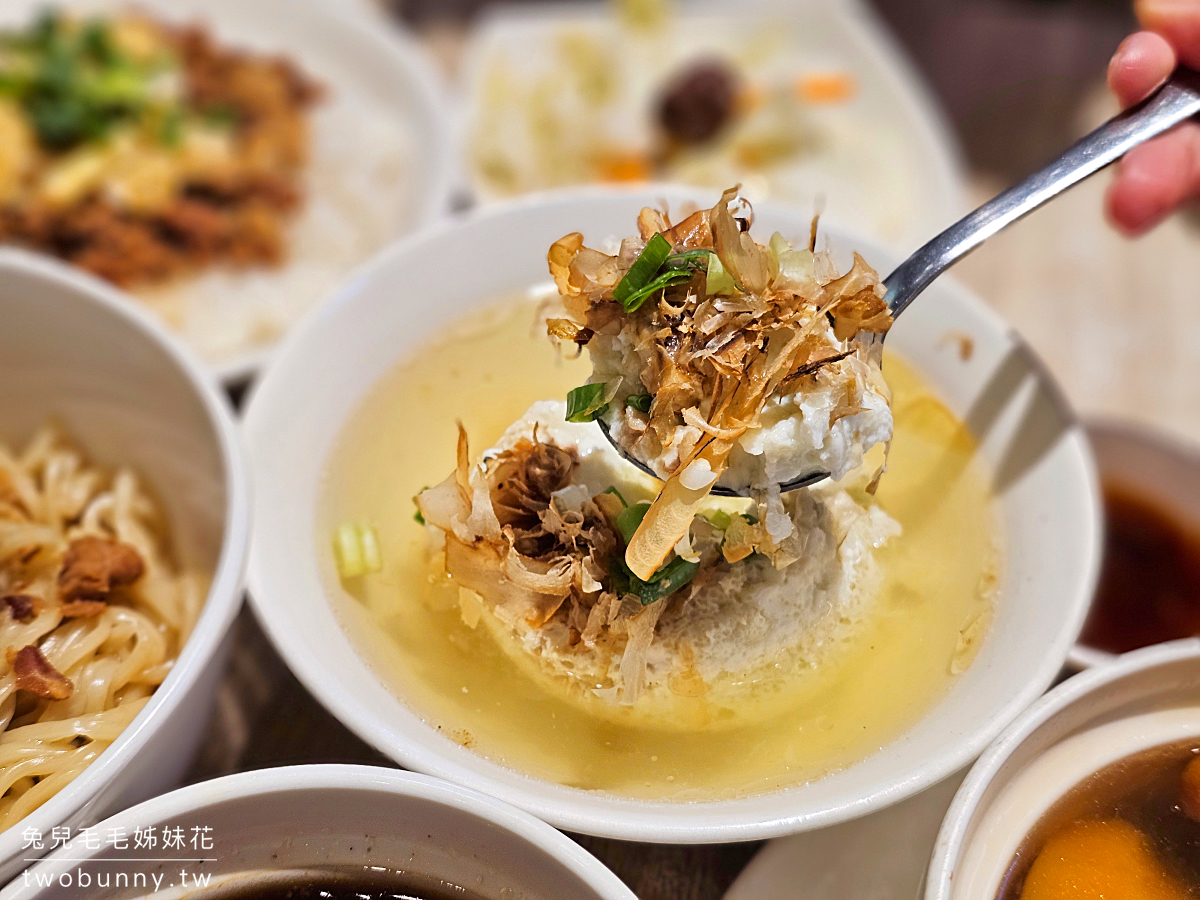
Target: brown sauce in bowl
{"x":1149,"y":589}
{"x":343,"y":884}
{"x":1127,"y":832}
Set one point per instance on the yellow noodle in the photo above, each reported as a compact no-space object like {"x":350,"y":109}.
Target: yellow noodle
{"x":49,"y":496}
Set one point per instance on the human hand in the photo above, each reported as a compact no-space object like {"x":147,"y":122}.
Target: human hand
{"x":1160,"y":175}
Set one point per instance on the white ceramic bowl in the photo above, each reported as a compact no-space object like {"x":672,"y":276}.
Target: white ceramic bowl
{"x":373,"y":70}
{"x":301,"y":817}
{"x":903,"y":187}
{"x":1049,"y":514}
{"x":74,"y":349}
{"x":1158,"y":678}
{"x":1161,"y":467}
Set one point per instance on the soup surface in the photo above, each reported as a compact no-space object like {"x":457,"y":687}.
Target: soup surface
{"x":793,"y":724}
{"x":1131,"y":831}
{"x":1150,"y":584}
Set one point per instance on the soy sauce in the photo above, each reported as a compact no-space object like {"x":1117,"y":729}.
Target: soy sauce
{"x":1149,"y":588}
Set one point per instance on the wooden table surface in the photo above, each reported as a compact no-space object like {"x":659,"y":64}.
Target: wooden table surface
{"x":1118,"y":323}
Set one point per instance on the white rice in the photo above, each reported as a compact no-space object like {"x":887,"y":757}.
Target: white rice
{"x":359,"y":194}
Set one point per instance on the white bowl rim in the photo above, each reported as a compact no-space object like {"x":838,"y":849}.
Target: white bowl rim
{"x":224,"y":597}
{"x":626,"y":823}
{"x":345,"y":777}
{"x":948,"y":848}
{"x":1167,"y":442}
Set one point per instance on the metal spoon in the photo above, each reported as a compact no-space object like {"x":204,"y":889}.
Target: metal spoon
{"x":1176,"y":101}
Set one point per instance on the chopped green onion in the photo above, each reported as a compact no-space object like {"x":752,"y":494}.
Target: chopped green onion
{"x":96,"y":40}
{"x":640,"y":402}
{"x":689,"y":259}
{"x":778,"y":245}
{"x":417,"y":517}
{"x":719,"y":281}
{"x":170,"y":128}
{"x":613,"y":490}
{"x":586,"y":403}
{"x":630,"y":518}
{"x":372,"y":558}
{"x":718,"y":518}
{"x":666,"y":581}
{"x":223,"y":116}
{"x":356,"y":550}
{"x":649,"y":261}
{"x":666,"y":279}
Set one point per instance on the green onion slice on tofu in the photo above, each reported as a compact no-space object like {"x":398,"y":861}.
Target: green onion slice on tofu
{"x":640,"y":402}
{"x":586,"y":403}
{"x":642,"y":272}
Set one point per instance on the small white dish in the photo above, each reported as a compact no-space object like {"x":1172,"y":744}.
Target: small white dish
{"x":75,"y":350}
{"x":902,"y":184}
{"x":1137,"y":701}
{"x":1048,"y":505}
{"x":299,"y":818}
{"x":379,"y":167}
{"x":882,"y":856}
{"x":1158,"y":466}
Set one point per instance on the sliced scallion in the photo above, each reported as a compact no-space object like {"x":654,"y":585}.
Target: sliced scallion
{"x":356,"y":550}
{"x":719,"y":281}
{"x":613,"y":490}
{"x":586,"y":403}
{"x":643,"y":270}
{"x":640,"y":402}
{"x":630,"y":518}
{"x":417,"y":517}
{"x":689,"y":259}
{"x":718,"y":518}
{"x":666,"y":581}
{"x":666,"y":279}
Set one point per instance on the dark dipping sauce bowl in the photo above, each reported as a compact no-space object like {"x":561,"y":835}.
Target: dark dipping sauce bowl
{"x":340,"y":883}
{"x":1149,"y":587}
{"x":321,"y":832}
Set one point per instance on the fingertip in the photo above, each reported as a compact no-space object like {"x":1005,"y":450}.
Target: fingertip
{"x":1178,"y":21}
{"x":1153,"y":179}
{"x":1142,"y":62}
{"x":1118,"y":211}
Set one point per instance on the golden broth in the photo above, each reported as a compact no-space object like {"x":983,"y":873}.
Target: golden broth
{"x":932,"y":612}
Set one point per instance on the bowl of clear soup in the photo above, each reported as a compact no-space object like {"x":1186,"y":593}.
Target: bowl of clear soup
{"x":458,"y":565}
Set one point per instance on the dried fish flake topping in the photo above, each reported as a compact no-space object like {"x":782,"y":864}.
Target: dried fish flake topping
{"x":694,"y":329}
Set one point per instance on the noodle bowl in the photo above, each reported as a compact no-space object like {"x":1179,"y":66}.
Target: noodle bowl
{"x":105,"y":651}
{"x":145,"y":483}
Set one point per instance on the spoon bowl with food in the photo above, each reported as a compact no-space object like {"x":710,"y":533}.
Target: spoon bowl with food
{"x":711,"y":333}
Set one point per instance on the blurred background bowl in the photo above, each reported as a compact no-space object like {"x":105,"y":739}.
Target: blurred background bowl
{"x":303,"y":817}
{"x":1163,"y":677}
{"x":379,"y":164}
{"x":1162,"y":472}
{"x":74,"y":350}
{"x":875,"y":151}
{"x":1036,"y":452}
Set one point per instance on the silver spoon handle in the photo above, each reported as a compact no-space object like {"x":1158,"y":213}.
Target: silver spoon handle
{"x":1177,"y":100}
